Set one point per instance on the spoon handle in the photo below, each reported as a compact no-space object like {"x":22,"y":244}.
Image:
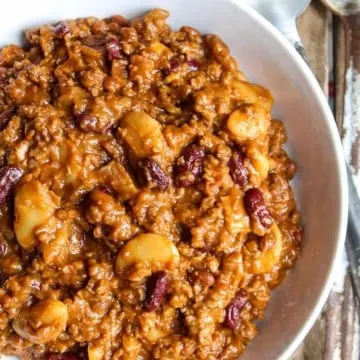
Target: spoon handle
{"x":292,"y":35}
{"x":298,"y":45}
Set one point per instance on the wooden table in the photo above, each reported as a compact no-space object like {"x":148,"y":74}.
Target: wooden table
{"x":335,"y":335}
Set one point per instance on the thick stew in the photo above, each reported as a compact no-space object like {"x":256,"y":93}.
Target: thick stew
{"x":146,"y":211}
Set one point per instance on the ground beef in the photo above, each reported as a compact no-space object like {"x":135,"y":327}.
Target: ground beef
{"x":146,"y":211}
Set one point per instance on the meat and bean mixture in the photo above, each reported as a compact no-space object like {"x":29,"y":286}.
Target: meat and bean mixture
{"x":146,"y":211}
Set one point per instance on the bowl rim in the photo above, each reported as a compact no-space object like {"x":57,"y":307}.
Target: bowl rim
{"x":339,"y":161}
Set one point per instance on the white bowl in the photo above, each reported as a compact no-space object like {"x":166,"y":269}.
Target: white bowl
{"x":321,"y":187}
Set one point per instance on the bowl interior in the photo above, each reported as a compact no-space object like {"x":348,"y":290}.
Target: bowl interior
{"x":320,"y":185}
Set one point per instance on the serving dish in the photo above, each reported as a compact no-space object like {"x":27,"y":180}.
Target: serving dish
{"x":320,"y":186}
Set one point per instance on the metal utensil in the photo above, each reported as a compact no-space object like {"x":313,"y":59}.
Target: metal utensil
{"x":283,"y":14}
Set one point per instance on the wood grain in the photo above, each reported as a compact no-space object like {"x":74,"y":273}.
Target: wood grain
{"x":314,"y":32}
{"x":335,"y":334}
{"x":341,"y":62}
{"x":313,"y":28}
{"x":352,"y":25}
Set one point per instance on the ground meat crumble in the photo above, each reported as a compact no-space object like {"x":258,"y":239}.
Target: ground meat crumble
{"x":145,"y":205}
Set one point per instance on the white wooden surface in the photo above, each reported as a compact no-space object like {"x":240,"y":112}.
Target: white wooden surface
{"x":335,"y":335}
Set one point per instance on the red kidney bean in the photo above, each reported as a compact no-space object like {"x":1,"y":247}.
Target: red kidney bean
{"x":156,"y":287}
{"x":5,"y":117}
{"x":233,"y":311}
{"x":61,"y":29}
{"x":9,"y":176}
{"x":193,"y":64}
{"x":189,"y":167}
{"x":88,"y":122}
{"x":238,"y":171}
{"x":174,"y":64}
{"x":114,"y":49}
{"x":255,"y":207}
{"x":154,"y":173}
{"x":65,"y":356}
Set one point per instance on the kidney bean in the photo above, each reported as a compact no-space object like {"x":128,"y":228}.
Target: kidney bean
{"x":61,"y":29}
{"x":238,"y":171}
{"x":255,"y":207}
{"x":9,"y":176}
{"x":156,"y":287}
{"x":193,"y":65}
{"x":65,"y":356}
{"x":233,"y":311}
{"x":189,"y":167}
{"x":154,"y":173}
{"x":174,"y":64}
{"x":114,"y":49}
{"x":88,"y":122}
{"x":5,"y":117}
